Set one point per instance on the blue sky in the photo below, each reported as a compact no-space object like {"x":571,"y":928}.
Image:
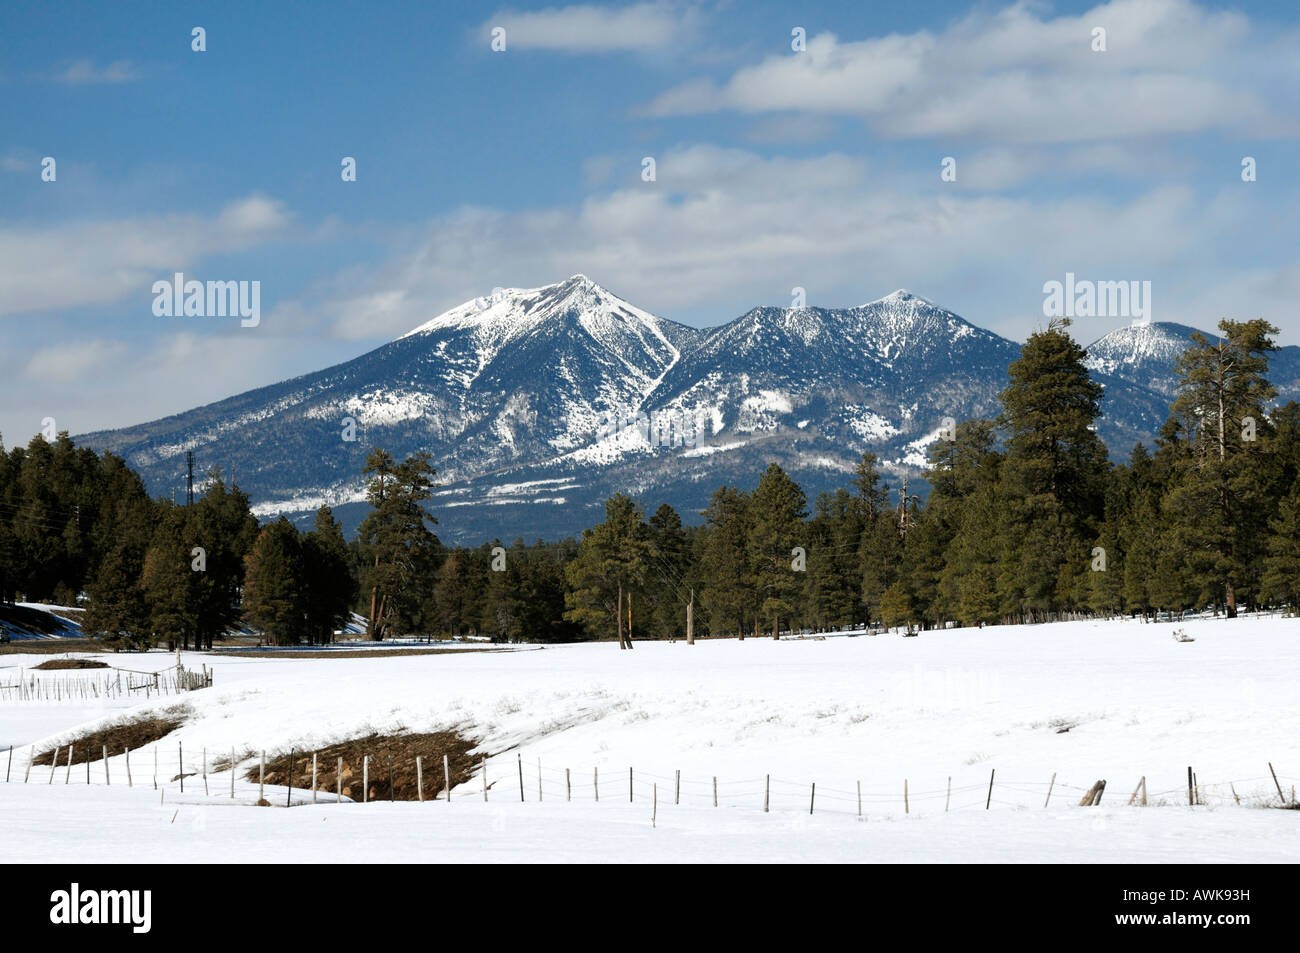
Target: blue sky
{"x":476,"y":169}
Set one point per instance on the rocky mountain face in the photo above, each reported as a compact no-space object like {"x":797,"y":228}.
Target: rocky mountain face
{"x":536,"y":404}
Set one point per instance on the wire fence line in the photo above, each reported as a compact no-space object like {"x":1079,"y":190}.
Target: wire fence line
{"x":164,"y":766}
{"x":98,"y":685}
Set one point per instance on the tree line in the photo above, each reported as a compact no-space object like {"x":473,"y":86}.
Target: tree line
{"x":1026,"y":519}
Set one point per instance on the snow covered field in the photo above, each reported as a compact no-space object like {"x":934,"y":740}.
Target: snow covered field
{"x":877,"y":710}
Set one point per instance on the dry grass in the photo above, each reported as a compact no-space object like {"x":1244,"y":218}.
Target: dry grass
{"x":133,"y":734}
{"x":354,"y":653}
{"x":401,"y":748}
{"x":50,"y":646}
{"x":62,"y":663}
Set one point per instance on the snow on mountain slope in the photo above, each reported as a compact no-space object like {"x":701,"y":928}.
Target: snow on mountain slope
{"x":1145,"y":355}
{"x":512,"y":394}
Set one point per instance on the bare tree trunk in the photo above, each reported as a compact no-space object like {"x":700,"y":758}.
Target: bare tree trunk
{"x":618,"y":615}
{"x":690,"y":620}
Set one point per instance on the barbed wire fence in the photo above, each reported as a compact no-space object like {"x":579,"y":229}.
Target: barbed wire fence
{"x":214,"y":774}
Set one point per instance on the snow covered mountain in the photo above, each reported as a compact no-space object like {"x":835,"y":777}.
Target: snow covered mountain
{"x":1144,"y":354}
{"x":538,"y":403}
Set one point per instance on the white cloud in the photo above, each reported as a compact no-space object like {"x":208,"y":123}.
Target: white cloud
{"x":48,"y":267}
{"x":1170,"y":67}
{"x":62,"y":363}
{"x":586,"y":28}
{"x":103,"y":383}
{"x":722,"y":230}
{"x":84,"y":72}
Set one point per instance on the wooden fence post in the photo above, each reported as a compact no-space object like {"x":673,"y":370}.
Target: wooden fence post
{"x":485,"y":780}
{"x":205,"y":772}
{"x":55,"y":763}
{"x":365,"y":779}
{"x":67,"y":772}
{"x":419,"y":779}
{"x":390,"y":777}
{"x":313,"y":777}
{"x":232,"y":774}
{"x":521,"y":777}
{"x":677,"y":788}
{"x":1280,"y":796}
{"x":907,"y":808}
{"x":859,"y":799}
{"x":31,"y":756}
{"x":715,"y":790}
{"x":107,"y":780}
{"x":812,"y":799}
{"x":129,"y":782}
{"x":180,"y":769}
{"x":338,"y":781}
{"x":595,"y":782}
{"x":10,"y":765}
{"x":629,"y":785}
{"x":1191,"y":791}
{"x":288,"y":785}
{"x":989,"y":799}
{"x":1133,"y":797}
{"x":261,"y":779}
{"x":1093,"y":795}
{"x":1049,"y":789}
{"x":568,"y":786}
{"x":446,"y":776}
{"x":767,"y":791}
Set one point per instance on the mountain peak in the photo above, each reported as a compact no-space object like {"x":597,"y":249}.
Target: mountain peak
{"x":900,"y":296}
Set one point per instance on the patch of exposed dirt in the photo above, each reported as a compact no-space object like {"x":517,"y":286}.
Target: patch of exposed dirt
{"x":133,"y":734}
{"x":60,"y":663}
{"x":402,"y":749}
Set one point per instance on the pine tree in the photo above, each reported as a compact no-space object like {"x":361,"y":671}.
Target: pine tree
{"x":1053,"y":476}
{"x":275,"y":594}
{"x":117,"y":608}
{"x":330,"y":588}
{"x":727,"y":591}
{"x":667,"y":590}
{"x":1282,"y":565}
{"x":613,"y":559}
{"x":400,"y":547}
{"x":776,"y":528}
{"x":1218,"y":502}
{"x":450,"y":592}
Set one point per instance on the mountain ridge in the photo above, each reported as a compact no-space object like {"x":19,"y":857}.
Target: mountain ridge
{"x":537,"y":403}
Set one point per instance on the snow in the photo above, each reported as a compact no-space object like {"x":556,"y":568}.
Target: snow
{"x":956,"y":703}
